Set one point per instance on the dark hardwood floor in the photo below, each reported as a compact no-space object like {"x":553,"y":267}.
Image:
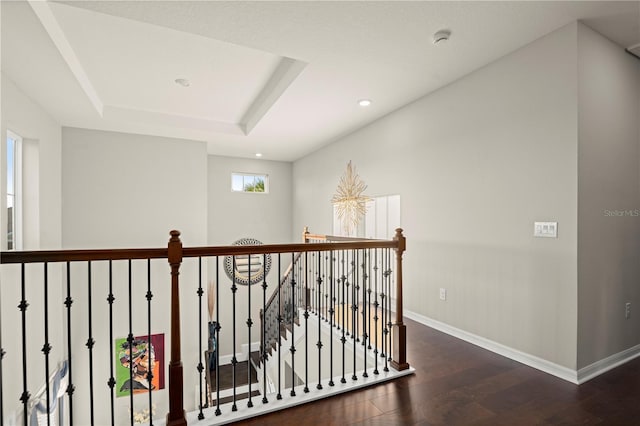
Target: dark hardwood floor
{"x":457,"y":383}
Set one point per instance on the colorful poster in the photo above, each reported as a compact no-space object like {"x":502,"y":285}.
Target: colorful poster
{"x":134,"y":361}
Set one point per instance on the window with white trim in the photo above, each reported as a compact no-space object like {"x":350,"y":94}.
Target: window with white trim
{"x":249,"y":182}
{"x":14,"y":186}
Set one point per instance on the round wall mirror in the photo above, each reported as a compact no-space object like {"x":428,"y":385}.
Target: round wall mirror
{"x":247,"y":269}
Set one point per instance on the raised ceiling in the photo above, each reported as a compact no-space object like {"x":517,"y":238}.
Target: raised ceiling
{"x":280,"y":78}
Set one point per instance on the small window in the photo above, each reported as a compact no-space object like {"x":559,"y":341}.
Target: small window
{"x":247,"y":182}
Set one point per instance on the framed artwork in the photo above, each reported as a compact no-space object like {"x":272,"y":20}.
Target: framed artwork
{"x":145,"y":354}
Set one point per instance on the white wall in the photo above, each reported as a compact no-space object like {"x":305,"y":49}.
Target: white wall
{"x":42,"y":230}
{"x":234,"y":215}
{"x":23,"y":116}
{"x":124,"y":190}
{"x":609,"y":198}
{"x":475,"y":164}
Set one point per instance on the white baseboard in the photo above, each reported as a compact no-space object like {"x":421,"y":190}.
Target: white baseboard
{"x":590,"y":371}
{"x":514,"y":354}
{"x":577,"y":377}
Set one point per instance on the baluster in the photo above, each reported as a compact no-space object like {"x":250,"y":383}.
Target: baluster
{"x":320,"y":290}
{"x":317,"y":265}
{"x":319,"y":344}
{"x":365,"y":322}
{"x":354,"y":309}
{"x":264,"y":346}
{"x":23,"y":308}
{"x":130,"y":341}
{"x":383,"y":305}
{"x":348,"y":283}
{"x":368,"y":303}
{"x":309,"y":272}
{"x":279,"y":395}
{"x":2,"y":354}
{"x":331,"y":312}
{"x":149,"y":297}
{"x":385,"y":313}
{"x":337,"y":303}
{"x":301,"y":293}
{"x":68,"y":302}
{"x":47,"y":347}
{"x":322,"y":315}
{"x":112,"y":381}
{"x":327,"y":286}
{"x":389,"y":319}
{"x":234,"y":360}
{"x":90,"y":343}
{"x":249,"y":324}
{"x":356,"y":294}
{"x":306,"y":323}
{"x":293,"y":347}
{"x":375,"y":313}
{"x":217,"y":360}
{"x":200,"y":367}
{"x":343,"y":340}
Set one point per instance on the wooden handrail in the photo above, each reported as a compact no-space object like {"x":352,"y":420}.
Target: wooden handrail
{"x":81,"y":255}
{"x":175,"y":253}
{"x":340,"y":243}
{"x":308,"y":237}
{"x":337,"y":238}
{"x":286,"y":248}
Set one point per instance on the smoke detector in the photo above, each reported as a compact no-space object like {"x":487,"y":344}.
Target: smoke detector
{"x":440,"y":36}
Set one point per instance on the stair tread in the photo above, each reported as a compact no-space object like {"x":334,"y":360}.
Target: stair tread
{"x":226,"y":375}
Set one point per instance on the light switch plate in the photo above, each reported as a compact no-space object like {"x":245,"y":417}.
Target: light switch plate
{"x":545,"y":229}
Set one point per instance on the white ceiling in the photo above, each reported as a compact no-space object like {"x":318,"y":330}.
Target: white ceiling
{"x":280,"y":78}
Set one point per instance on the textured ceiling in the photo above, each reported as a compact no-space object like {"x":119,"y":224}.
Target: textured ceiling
{"x":281,"y":78}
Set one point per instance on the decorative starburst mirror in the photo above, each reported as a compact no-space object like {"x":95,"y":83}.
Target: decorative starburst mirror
{"x":247,"y":269}
{"x":349,"y":200}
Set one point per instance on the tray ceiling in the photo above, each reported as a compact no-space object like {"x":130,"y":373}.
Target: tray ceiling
{"x":281,"y":78}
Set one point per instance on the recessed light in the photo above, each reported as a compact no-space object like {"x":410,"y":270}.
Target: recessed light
{"x":258,"y":154}
{"x":183,"y":82}
{"x":440,"y":36}
{"x":364,"y":102}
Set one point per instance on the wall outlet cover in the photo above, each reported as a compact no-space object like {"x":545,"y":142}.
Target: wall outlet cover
{"x":545,"y":229}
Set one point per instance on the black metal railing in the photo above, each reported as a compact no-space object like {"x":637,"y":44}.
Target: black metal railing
{"x":326,"y":316}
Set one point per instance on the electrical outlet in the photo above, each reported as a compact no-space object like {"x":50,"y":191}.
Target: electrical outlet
{"x":443,"y":294}
{"x":627,"y":310}
{"x":545,"y":229}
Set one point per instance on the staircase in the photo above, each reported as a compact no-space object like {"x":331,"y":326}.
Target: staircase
{"x":245,"y":372}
